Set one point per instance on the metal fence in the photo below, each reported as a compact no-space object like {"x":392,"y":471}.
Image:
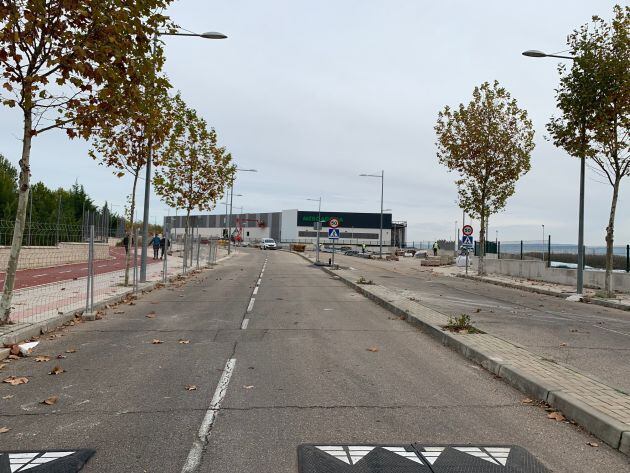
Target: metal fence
{"x":74,"y":276}
{"x":561,"y":254}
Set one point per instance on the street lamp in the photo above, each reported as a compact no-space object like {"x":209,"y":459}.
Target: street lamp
{"x":319,"y":224}
{"x":382,"y":178}
{"x":147,"y":182}
{"x":230,"y":217}
{"x":580,"y":264}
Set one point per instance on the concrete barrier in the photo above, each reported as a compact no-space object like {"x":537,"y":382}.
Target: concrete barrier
{"x":32,"y":257}
{"x":538,"y":271}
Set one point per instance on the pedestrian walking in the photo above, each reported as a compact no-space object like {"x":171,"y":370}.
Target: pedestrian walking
{"x":155,"y":242}
{"x":125,"y":243}
{"x":363,"y":248}
{"x":436,"y":247}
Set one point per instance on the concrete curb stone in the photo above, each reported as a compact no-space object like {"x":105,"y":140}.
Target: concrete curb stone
{"x":611,"y":431}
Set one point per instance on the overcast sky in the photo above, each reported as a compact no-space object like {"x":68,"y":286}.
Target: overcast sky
{"x":314,"y":93}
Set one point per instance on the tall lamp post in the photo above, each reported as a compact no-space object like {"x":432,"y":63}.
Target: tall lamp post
{"x":230,"y":217}
{"x":147,"y":182}
{"x":580,"y":263}
{"x":381,"y":176}
{"x":319,"y":224}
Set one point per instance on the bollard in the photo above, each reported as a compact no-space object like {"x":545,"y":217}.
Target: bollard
{"x":521,"y":249}
{"x":89,"y":299}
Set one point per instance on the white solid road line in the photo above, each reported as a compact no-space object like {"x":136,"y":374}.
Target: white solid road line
{"x":256,"y":290}
{"x":196,"y":451}
{"x":244,"y":324}
{"x":251,"y":304}
{"x":259,"y":281}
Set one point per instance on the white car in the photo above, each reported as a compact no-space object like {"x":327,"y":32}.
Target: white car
{"x":268,"y":244}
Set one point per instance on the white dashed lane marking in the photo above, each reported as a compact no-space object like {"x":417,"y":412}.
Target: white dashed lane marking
{"x":250,"y":307}
{"x":196,"y":451}
{"x":256,"y":290}
{"x":244,"y":324}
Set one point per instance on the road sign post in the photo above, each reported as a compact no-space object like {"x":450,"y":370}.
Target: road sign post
{"x":333,"y":234}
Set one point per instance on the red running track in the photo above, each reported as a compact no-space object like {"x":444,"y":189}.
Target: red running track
{"x":39,"y":276}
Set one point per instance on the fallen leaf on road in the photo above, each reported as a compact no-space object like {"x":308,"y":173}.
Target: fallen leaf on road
{"x":14,"y":350}
{"x":50,"y":401}
{"x":131,"y":303}
{"x":71,"y":350}
{"x":61,"y":357}
{"x":42,"y":358}
{"x":183,"y":342}
{"x":527,"y":401}
{"x":9,"y":396}
{"x":119,"y":312}
{"x":57,"y":370}
{"x":150,"y":315}
{"x":15,"y":380}
{"x":4,"y":430}
{"x":13,"y":357}
{"x":248,"y":387}
{"x":556,"y":416}
{"x":2,"y":365}
{"x":60,"y":312}
{"x":563,"y":344}
{"x":478,"y":310}
{"x":592,"y":444}
{"x":373,"y":349}
{"x":156,"y":341}
{"x":190,"y":387}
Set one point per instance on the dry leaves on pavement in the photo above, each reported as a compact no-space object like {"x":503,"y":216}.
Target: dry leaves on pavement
{"x":592,"y":444}
{"x":556,"y":416}
{"x":42,"y":358}
{"x":118,"y":312}
{"x":8,"y":396}
{"x":15,"y":380}
{"x":151,"y":315}
{"x":57,"y":370}
{"x":2,"y":365}
{"x":156,"y":341}
{"x":190,"y":387}
{"x":61,"y":357}
{"x":50,"y":401}
{"x":181,"y":341}
{"x":4,"y":430}
{"x":373,"y":349}
{"x":71,"y":350}
{"x":527,"y":401}
{"x":248,"y":386}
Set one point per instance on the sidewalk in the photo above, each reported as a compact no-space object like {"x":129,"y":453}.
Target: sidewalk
{"x":42,"y":308}
{"x":601,"y":409}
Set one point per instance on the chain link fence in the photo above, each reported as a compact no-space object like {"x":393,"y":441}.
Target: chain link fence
{"x":71,"y":269}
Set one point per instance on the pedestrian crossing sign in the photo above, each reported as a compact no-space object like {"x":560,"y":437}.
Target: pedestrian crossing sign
{"x":468,"y":241}
{"x":333,"y":233}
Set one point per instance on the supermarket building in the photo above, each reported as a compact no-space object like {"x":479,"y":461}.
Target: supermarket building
{"x":289,"y":226}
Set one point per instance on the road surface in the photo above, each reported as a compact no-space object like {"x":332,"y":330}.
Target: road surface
{"x":278,"y":358}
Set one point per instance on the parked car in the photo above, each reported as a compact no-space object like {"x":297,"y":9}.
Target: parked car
{"x":268,"y":244}
{"x":351,"y":253}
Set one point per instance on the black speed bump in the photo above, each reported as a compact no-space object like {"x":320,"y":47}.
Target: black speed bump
{"x":417,"y":458}
{"x":48,"y":461}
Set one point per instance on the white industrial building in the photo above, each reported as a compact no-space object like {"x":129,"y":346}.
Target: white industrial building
{"x":290,"y":226}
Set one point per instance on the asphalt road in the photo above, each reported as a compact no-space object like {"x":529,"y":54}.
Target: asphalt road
{"x":291,"y":367}
{"x":593,"y":339}
{"x":39,"y":276}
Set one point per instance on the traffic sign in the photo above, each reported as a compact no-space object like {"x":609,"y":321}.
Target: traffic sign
{"x":468,"y":241}
{"x":333,"y":222}
{"x":467,"y":230}
{"x":333,"y":233}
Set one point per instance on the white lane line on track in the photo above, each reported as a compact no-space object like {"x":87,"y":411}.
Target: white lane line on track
{"x":63,"y":272}
{"x":40,"y":275}
{"x":245,"y":324}
{"x":250,"y":307}
{"x":259,"y":281}
{"x":256,"y":290}
{"x":196,"y":451}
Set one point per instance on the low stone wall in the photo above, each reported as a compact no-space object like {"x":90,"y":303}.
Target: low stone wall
{"x":538,"y":270}
{"x":43,"y":256}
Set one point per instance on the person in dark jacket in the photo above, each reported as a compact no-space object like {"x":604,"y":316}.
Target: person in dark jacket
{"x":164,"y":244}
{"x":155,"y":242}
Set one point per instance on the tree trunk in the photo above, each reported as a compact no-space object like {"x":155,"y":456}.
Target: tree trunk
{"x":481,"y":270}
{"x":132,"y":210}
{"x":610,"y":231}
{"x":186,"y":242}
{"x":20,"y":219}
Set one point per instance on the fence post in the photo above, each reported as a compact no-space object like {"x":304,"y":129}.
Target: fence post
{"x":521,"y":250}
{"x":627,"y":258}
{"x":165,"y":262}
{"x":89,"y":298}
{"x":549,"y":252}
{"x":498,"y":250}
{"x":198,"y":248}
{"x":135,"y":260}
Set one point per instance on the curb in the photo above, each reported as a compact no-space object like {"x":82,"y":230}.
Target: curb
{"x":562,"y":295}
{"x":45,"y":326}
{"x":609,"y":430}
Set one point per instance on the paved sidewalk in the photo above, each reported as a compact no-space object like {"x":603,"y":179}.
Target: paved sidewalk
{"x":601,"y":409}
{"x":49,"y":305}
